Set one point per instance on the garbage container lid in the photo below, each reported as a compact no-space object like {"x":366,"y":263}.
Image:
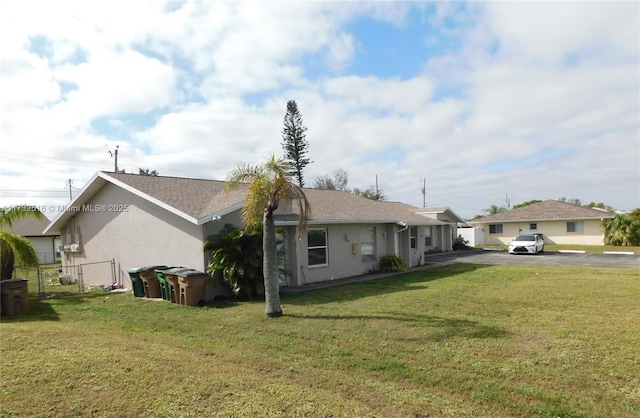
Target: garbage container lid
{"x":152,"y":267}
{"x":175,"y":270}
{"x":191,"y":273}
{"x":164,"y":269}
{"x":135,"y":269}
{"x":12,"y":281}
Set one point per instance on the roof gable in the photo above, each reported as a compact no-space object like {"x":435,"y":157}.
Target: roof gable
{"x":549,"y":210}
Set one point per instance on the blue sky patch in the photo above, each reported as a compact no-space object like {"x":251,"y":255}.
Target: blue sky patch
{"x":386,"y":50}
{"x":45,"y":47}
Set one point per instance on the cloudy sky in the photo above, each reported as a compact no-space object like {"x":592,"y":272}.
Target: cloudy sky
{"x":480,"y":100}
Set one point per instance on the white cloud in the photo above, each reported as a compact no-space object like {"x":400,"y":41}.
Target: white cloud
{"x":524,"y":81}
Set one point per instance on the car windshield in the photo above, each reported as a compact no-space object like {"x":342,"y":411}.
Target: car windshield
{"x":525,"y":238}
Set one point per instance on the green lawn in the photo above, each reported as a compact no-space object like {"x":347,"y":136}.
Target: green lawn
{"x":462,"y":340}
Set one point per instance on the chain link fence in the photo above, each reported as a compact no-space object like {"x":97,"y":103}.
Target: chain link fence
{"x":52,"y":280}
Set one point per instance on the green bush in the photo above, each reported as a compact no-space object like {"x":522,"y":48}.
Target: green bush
{"x":392,"y":263}
{"x":236,"y":260}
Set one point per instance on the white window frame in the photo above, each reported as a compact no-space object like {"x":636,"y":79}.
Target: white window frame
{"x":368,"y":240}
{"x":428,"y":235}
{"x":318,"y":247}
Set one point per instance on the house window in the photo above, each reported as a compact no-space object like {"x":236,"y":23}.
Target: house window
{"x":368,"y":243}
{"x":533,"y":227}
{"x":414,"y":236}
{"x":495,"y":229}
{"x":317,"y":247}
{"x":577,"y":227}
{"x":427,"y":237}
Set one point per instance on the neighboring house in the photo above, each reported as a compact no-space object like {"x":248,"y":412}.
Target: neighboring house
{"x":559,"y":222}
{"x":148,"y":220}
{"x":46,"y":245}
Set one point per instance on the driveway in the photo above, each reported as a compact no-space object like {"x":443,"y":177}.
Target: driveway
{"x":546,"y":258}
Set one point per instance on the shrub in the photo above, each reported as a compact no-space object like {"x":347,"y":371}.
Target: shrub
{"x":460,"y":244}
{"x":236,"y":260}
{"x":392,"y":263}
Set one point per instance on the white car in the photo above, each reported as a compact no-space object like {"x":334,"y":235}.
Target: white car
{"x":527,"y":244}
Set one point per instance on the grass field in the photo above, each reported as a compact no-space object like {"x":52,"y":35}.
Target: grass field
{"x":454,"y":341}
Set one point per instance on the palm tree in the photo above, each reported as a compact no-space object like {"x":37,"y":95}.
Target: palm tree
{"x":268,"y":184}
{"x":14,"y":247}
{"x":494,"y":209}
{"x":622,"y":230}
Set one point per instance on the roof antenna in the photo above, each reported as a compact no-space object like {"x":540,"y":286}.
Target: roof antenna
{"x":115,"y":154}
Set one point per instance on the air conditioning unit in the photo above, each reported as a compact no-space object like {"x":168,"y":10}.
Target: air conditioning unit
{"x":72,"y":248}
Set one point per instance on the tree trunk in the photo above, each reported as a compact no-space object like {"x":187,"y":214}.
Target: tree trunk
{"x":6,"y":260}
{"x":270,"y":267}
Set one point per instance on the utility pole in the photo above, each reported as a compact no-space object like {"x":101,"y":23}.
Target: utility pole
{"x":115,"y":154}
{"x":70,"y":183}
{"x":508,"y":202}
{"x":424,"y":192}
{"x":377,"y":192}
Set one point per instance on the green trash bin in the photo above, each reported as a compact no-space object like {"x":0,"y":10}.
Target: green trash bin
{"x":136,"y":282}
{"x":165,"y":290}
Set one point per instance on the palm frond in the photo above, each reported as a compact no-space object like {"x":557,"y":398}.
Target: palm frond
{"x":23,"y":251}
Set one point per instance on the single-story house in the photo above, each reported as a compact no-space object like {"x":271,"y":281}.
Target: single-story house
{"x":46,"y":245}
{"x":558,"y":222}
{"x":126,"y":220}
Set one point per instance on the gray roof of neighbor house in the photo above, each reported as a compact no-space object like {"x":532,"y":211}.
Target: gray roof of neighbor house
{"x":29,"y":226}
{"x":548,"y":210}
{"x":199,"y":201}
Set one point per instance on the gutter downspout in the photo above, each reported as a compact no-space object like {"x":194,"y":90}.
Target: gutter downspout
{"x":395,"y":237}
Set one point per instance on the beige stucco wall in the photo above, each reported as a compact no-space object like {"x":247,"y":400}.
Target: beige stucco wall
{"x":344,"y":256}
{"x":143,"y":234}
{"x":45,"y":248}
{"x":554,"y":232}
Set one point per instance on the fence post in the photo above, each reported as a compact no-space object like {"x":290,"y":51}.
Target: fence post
{"x":80,"y":280}
{"x":41,"y":294}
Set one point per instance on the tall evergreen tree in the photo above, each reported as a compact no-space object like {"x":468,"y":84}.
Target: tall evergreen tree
{"x":294,"y":141}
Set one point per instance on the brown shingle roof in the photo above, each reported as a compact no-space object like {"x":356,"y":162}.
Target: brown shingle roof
{"x":546,"y":211}
{"x":195,"y":197}
{"x":200,"y":198}
{"x":339,"y":206}
{"x":29,"y":226}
